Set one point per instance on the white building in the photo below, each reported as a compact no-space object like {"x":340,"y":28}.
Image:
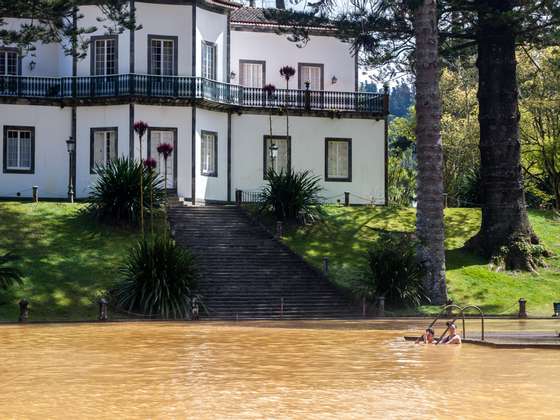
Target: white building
{"x":194,"y":72}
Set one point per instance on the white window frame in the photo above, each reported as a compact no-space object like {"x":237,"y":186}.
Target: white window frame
{"x":162,"y":40}
{"x":19,"y":168}
{"x":209,"y":60}
{"x":243,"y":75}
{"x":268,"y":140}
{"x":302,"y":79}
{"x":96,"y":56}
{"x":338,"y":177}
{"x":7,"y":54}
{"x":206,"y":161}
{"x":107,"y":132}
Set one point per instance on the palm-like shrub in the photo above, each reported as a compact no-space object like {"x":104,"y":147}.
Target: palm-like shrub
{"x":290,"y":195}
{"x":158,"y":279}
{"x":394,"y":271}
{"x":9,"y":275}
{"x":115,"y":196}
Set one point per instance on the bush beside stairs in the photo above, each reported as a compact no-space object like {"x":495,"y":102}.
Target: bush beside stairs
{"x":247,"y":274}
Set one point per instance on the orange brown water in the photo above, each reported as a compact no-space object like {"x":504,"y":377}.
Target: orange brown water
{"x":308,"y":370}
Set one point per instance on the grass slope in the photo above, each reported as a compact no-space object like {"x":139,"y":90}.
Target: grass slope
{"x":346,"y":234}
{"x":68,"y":262}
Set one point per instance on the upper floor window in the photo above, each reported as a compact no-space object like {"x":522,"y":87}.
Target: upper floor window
{"x":9,"y":62}
{"x":104,"y":55}
{"x":338,"y":159}
{"x":252,"y":73}
{"x":209,"y":60}
{"x":162,"y":55}
{"x":209,"y":153}
{"x":103,"y":147}
{"x":19,"y":149}
{"x":312,"y":73}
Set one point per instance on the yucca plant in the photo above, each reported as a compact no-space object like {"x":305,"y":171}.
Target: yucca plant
{"x":290,"y":195}
{"x":115,"y":197}
{"x":394,"y":271}
{"x":158,"y":279}
{"x":9,"y":275}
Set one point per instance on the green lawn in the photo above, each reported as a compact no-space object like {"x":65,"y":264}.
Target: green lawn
{"x":68,"y":261}
{"x":345,"y":236}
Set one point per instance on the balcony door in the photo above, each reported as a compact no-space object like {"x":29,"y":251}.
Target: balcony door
{"x":157,"y":136}
{"x":104,"y":62}
{"x":312,"y":73}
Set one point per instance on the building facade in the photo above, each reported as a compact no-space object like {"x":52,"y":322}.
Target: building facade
{"x":195,"y":72}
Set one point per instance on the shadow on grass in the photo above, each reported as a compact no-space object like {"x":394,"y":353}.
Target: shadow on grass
{"x":67,"y":259}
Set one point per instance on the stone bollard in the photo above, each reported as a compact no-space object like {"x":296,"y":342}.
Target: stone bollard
{"x":449,"y":311}
{"x":380,"y":303}
{"x":325,"y":266}
{"x":23,"y":310}
{"x":522,"y":308}
{"x":279,"y":230}
{"x":35,"y":193}
{"x":103,"y":303}
{"x":346,"y":199}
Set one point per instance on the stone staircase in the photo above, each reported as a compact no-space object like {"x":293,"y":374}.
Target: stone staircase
{"x":247,"y":274}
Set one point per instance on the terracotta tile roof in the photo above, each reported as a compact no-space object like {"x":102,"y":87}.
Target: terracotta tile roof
{"x":256,"y":16}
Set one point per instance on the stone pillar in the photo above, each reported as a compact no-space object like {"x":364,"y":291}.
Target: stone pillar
{"x":279,"y":229}
{"x":103,"y":303}
{"x":325,"y":265}
{"x":380,"y":300}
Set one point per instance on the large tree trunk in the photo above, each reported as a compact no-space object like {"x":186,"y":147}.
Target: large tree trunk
{"x":429,"y":216}
{"x":505,"y":226}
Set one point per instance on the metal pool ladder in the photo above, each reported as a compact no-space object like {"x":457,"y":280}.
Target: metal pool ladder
{"x":462,"y":315}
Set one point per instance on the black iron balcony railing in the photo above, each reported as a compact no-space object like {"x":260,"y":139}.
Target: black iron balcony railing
{"x":185,"y":87}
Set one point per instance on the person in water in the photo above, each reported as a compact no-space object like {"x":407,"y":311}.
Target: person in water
{"x":428,"y":337}
{"x":452,"y":337}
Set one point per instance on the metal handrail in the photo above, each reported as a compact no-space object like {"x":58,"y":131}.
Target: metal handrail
{"x":462,"y":314}
{"x":481,"y":319}
{"x":188,"y":87}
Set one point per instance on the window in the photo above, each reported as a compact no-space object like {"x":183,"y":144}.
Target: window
{"x":312,"y":73}
{"x":162,"y":55}
{"x":104,"y":53}
{"x":103,"y":146}
{"x":282,"y":160}
{"x":209,"y":60}
{"x":252,"y":73}
{"x":338,"y":160}
{"x":9,"y":62}
{"x":157,"y":136}
{"x":19,"y":149}
{"x":209,"y":153}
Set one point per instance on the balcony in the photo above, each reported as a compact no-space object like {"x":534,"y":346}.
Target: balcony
{"x":126,"y":87}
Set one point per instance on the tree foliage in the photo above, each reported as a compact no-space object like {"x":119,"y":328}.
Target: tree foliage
{"x":539,"y":77}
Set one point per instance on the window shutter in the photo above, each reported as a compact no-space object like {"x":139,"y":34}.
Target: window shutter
{"x":12,"y":146}
{"x":98,"y":148}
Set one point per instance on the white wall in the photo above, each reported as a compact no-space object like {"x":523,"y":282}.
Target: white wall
{"x":43,"y":61}
{"x":91,"y":15}
{"x":212,"y":27}
{"x":168,"y":20}
{"x":97,"y":117}
{"x":52,"y":129}
{"x":170,"y":117}
{"x":277,"y":51}
{"x":207,"y":187}
{"x":308,"y":152}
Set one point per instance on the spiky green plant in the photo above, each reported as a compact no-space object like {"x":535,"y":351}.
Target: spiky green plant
{"x":158,"y":279}
{"x":394,"y":271}
{"x":115,"y":196}
{"x":291,"y":195}
{"x":9,"y":275}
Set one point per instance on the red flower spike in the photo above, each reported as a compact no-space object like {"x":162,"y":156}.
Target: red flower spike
{"x":140,"y":127}
{"x":150,"y":163}
{"x":286,"y":72}
{"x":165,"y":149}
{"x":269,"y":90}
